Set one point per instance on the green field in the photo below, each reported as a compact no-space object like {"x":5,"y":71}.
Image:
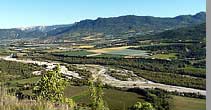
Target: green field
{"x":4,"y":51}
{"x":17,"y":83}
{"x":120,"y":100}
{"x":195,"y":70}
{"x":75,"y":53}
{"x":110,"y":56}
{"x":129,"y":52}
{"x":116,"y":100}
{"x":185,"y":103}
{"x":165,"y":56}
{"x":24,"y":81}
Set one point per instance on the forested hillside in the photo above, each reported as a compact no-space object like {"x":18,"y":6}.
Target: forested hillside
{"x":191,"y":33}
{"x":112,"y":26}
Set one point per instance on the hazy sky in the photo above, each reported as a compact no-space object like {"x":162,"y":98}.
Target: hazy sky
{"x":20,"y":13}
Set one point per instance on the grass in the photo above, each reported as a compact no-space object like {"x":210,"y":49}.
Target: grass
{"x":196,"y":70}
{"x":165,"y":56}
{"x":129,"y":52}
{"x":116,"y":100}
{"x":14,"y":83}
{"x":121,"y":100}
{"x":9,"y":102}
{"x":4,"y":51}
{"x":6,"y":77}
{"x":185,"y":103}
{"x":110,"y":56}
{"x":28,"y":80}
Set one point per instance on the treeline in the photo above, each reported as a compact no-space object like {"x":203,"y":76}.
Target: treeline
{"x":167,"y":48}
{"x":158,"y":65}
{"x":162,"y":99}
{"x":18,"y":69}
{"x":200,"y":64}
{"x":85,"y":74}
{"x":171,"y":79}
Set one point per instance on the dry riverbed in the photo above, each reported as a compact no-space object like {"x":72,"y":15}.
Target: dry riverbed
{"x":101,"y":72}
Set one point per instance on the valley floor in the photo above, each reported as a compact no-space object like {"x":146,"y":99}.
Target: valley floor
{"x":100,"y":72}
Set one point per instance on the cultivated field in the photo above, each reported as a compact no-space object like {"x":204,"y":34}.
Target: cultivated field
{"x":124,"y":51}
{"x":165,"y":56}
{"x":185,"y":103}
{"x":116,"y":100}
{"x":107,"y":50}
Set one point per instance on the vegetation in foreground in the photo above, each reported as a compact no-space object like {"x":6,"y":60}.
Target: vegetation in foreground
{"x":51,"y":87}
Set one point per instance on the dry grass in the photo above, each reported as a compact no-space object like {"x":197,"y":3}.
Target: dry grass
{"x":8,"y":102}
{"x":86,"y":46}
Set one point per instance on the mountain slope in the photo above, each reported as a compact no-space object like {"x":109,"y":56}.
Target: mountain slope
{"x":196,"y":32}
{"x":122,"y":24}
{"x":28,"y":32}
{"x":108,"y":26}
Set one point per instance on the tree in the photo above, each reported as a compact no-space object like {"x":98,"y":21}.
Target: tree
{"x":51,"y":87}
{"x":142,"y":106}
{"x":96,"y":95}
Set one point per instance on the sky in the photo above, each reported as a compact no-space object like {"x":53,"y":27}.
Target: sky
{"x":24,"y":13}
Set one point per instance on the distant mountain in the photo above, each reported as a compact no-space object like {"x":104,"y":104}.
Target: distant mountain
{"x":197,"y":32}
{"x":122,"y":24}
{"x":28,"y":32}
{"x":9,"y":33}
{"x":110,"y":26}
{"x":43,"y":28}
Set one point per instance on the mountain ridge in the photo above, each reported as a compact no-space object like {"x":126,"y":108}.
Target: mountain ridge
{"x":138,"y":23}
{"x":111,"y":26}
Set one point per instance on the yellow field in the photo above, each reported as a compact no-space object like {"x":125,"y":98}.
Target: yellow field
{"x":91,"y":38}
{"x":85,"y":46}
{"x":106,"y":50}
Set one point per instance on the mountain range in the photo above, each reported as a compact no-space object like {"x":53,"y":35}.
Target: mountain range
{"x":114,"y":26}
